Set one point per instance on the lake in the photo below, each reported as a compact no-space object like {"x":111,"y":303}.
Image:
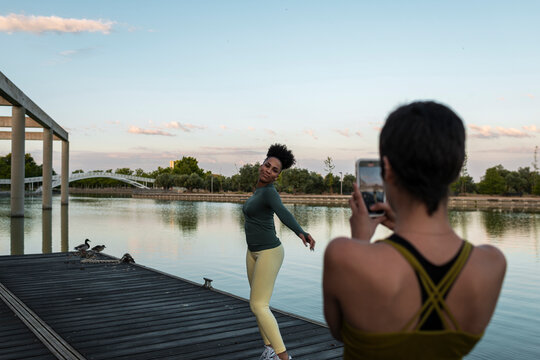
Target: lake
{"x":201,"y":239}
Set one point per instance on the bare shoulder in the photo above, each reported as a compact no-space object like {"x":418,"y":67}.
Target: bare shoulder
{"x":361,"y":256}
{"x":489,"y":257}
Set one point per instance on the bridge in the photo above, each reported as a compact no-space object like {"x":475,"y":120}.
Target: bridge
{"x":56,"y":179}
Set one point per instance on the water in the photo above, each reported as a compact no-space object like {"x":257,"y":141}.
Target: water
{"x":199,"y":239}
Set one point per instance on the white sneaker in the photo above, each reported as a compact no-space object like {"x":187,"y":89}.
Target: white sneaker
{"x":268,"y":353}
{"x":277,"y":357}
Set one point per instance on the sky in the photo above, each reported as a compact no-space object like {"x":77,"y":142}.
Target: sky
{"x":139,"y":83}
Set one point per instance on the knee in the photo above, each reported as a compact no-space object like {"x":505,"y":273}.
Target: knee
{"x":258,"y":307}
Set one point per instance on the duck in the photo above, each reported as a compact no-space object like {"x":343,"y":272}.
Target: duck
{"x":98,"y":248}
{"x":83,"y":247}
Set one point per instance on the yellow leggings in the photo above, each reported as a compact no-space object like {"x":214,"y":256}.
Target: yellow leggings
{"x":262,"y":269}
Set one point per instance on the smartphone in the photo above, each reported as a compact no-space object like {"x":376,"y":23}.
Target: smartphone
{"x":370,"y":183}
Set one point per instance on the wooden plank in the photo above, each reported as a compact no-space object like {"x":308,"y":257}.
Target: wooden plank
{"x":128,"y":311}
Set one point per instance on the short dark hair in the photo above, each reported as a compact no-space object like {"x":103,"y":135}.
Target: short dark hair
{"x":425,"y":144}
{"x":284,"y":155}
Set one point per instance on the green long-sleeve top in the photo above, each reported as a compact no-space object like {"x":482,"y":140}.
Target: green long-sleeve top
{"x":259,"y":212}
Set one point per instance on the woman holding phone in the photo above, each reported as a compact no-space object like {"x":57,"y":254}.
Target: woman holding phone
{"x":265,"y":252}
{"x":422,"y":293}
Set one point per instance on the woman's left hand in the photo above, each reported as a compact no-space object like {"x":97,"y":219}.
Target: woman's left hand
{"x":309,"y":241}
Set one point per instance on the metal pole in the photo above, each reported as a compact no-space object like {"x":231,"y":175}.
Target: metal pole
{"x":341,"y":189}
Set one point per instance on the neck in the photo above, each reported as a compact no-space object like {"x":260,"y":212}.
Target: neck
{"x":261,"y":184}
{"x":413,"y":219}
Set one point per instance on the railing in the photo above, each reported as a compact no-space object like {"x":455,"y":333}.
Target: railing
{"x":56,"y":179}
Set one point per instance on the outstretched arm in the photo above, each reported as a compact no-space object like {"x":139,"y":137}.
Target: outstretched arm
{"x":288,"y":219}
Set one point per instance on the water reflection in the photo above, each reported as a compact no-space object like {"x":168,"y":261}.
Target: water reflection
{"x":46,"y":230}
{"x":497,"y":223}
{"x":17,"y":236}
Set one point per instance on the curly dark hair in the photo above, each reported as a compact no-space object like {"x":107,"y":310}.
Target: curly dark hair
{"x":284,"y":155}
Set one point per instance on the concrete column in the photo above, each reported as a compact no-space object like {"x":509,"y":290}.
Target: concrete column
{"x":46,"y":193}
{"x":64,"y":231}
{"x":65,"y":173}
{"x":17,"y":161}
{"x":17,"y":235}
{"x":46,"y":229}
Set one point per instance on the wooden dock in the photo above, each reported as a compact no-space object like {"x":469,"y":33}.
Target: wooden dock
{"x":127,"y":311}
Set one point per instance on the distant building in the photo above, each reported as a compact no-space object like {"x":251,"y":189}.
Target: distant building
{"x":171,"y":164}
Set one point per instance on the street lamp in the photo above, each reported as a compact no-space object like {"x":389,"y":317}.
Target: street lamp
{"x":341,"y":179}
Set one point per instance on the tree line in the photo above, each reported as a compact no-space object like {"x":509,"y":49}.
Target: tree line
{"x":187,"y":174}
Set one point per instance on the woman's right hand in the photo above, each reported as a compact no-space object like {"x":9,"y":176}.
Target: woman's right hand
{"x":362,"y":225}
{"x":389,"y":217}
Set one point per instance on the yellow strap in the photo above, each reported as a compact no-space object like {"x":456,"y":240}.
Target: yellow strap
{"x":435,"y":293}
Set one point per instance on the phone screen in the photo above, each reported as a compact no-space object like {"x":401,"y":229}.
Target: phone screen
{"x":370,"y":184}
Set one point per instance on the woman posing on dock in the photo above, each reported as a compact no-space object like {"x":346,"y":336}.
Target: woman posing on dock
{"x":265,"y":252}
{"x":424,"y":292}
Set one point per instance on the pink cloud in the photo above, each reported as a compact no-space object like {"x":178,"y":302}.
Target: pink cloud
{"x":358,"y":133}
{"x":271,"y":132}
{"x":137,"y":130}
{"x":344,"y":132}
{"x":311,"y":133}
{"x":251,"y":128}
{"x":532,"y":128}
{"x":40,"y":24}
{"x":511,"y":132}
{"x":488,"y":132}
{"x":530,"y":96}
{"x":183,"y":127}
{"x":223,"y":127}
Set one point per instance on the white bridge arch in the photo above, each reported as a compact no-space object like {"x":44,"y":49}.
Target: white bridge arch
{"x":56,"y":179}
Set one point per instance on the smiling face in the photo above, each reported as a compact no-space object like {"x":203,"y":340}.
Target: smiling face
{"x":269,"y":170}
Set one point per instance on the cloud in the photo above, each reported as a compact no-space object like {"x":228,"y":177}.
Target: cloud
{"x":183,"y":127}
{"x":358,"y":133}
{"x":251,"y":128}
{"x":137,"y":130}
{"x":223,"y":127}
{"x":219,"y":150}
{"x":41,"y":24}
{"x":75,"y":52}
{"x":271,"y":132}
{"x":344,"y":132}
{"x":532,"y":128}
{"x":530,"y":96}
{"x":311,"y":133}
{"x":488,"y":132}
{"x":508,"y":150}
{"x":511,"y":132}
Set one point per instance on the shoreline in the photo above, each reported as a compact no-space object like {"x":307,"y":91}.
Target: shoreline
{"x":467,"y":202}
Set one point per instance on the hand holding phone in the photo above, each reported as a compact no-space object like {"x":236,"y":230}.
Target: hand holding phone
{"x":370,"y":184}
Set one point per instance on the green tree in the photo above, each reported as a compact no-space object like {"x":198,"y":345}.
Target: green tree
{"x":187,"y":165}
{"x":328,"y":168}
{"x":194,"y":181}
{"x":248,"y":176}
{"x":165,"y":181}
{"x":124,"y":171}
{"x":180,"y":180}
{"x":348,"y":181}
{"x":463,"y":185}
{"x":492,"y":182}
{"x":31,"y":169}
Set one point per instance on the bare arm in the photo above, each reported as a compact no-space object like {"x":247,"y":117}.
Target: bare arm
{"x":332,"y":308}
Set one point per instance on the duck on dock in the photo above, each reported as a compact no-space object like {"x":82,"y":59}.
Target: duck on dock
{"x":98,"y":248}
{"x":83,"y":247}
